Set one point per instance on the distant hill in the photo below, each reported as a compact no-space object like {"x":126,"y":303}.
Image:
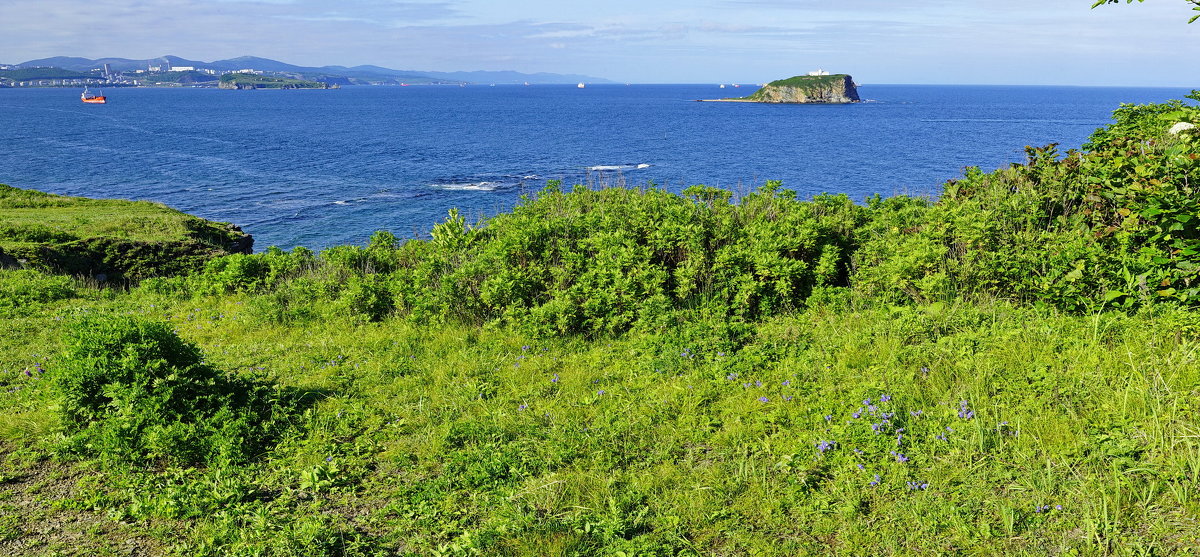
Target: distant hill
{"x":23,"y":74}
{"x":331,"y":74}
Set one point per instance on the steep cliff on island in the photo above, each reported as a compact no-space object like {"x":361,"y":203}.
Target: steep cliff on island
{"x":825,"y":89}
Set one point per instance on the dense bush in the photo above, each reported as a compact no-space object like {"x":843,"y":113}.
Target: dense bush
{"x":1116,"y":224}
{"x":604,"y":261}
{"x":132,"y":391}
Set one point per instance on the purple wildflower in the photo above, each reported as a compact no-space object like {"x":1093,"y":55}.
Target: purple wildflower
{"x":828,"y":418}
{"x":914,"y":486}
{"x":885,"y":398}
{"x":27,"y":373}
{"x":787,"y":398}
{"x":824,"y":446}
{"x":787,"y":382}
{"x":731,"y":376}
{"x":899,"y":457}
{"x":554,"y":379}
{"x":916,"y":413}
{"x":600,"y":392}
{"x":763,"y":399}
{"x":861,"y":467}
{"x":522,"y":407}
{"x":964,"y":411}
{"x":758,"y":383}
{"x":875,"y":481}
{"x":857,"y":414}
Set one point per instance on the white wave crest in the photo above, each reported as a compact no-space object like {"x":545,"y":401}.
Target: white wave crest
{"x":468,"y":186}
{"x":604,"y":167}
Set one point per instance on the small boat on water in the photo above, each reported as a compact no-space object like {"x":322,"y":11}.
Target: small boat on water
{"x":90,"y":98}
{"x":581,"y":85}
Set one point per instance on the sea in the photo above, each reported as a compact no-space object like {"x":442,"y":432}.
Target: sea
{"x":320,"y":168}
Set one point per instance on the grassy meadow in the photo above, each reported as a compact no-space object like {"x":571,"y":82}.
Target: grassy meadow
{"x":1012,"y":368}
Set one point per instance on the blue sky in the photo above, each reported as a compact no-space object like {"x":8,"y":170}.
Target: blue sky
{"x":647,"y":41}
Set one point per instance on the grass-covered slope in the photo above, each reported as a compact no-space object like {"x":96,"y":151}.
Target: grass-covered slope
{"x":633,"y":372}
{"x":810,"y":81}
{"x":117,"y":238}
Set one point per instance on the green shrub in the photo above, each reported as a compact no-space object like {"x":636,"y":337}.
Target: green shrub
{"x":603,"y":262}
{"x":367,"y":296}
{"x":239,"y":273}
{"x":22,"y":291}
{"x":1115,"y":225}
{"x":132,"y":391}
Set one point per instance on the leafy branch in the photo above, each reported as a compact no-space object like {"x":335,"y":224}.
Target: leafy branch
{"x":1193,"y":2}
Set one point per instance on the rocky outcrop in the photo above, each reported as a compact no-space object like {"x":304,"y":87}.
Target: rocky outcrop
{"x":820,"y":89}
{"x":110,"y":238}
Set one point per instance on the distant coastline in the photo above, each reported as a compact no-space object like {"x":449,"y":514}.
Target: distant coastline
{"x":173,"y":71}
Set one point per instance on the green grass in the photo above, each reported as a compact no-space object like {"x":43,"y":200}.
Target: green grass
{"x":137,"y":239}
{"x":449,"y":438}
{"x":79,"y":217}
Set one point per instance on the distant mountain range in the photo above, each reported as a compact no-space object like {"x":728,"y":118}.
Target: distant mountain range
{"x":356,"y":74}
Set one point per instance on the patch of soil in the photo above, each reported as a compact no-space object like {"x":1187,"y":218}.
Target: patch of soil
{"x":37,"y":519}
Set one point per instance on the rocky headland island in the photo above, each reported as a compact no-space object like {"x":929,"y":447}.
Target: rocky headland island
{"x":815,"y":88}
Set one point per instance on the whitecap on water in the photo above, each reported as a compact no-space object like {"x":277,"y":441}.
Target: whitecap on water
{"x":605,"y":167}
{"x":467,"y":186}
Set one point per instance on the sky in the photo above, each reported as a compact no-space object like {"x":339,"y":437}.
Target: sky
{"x":1017,"y":42}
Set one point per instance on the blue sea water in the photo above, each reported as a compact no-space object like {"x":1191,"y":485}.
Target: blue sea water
{"x":322,"y":168}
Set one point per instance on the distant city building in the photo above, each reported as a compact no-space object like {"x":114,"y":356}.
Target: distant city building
{"x":255,"y":72}
{"x":183,"y":69}
{"x":818,"y":72}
